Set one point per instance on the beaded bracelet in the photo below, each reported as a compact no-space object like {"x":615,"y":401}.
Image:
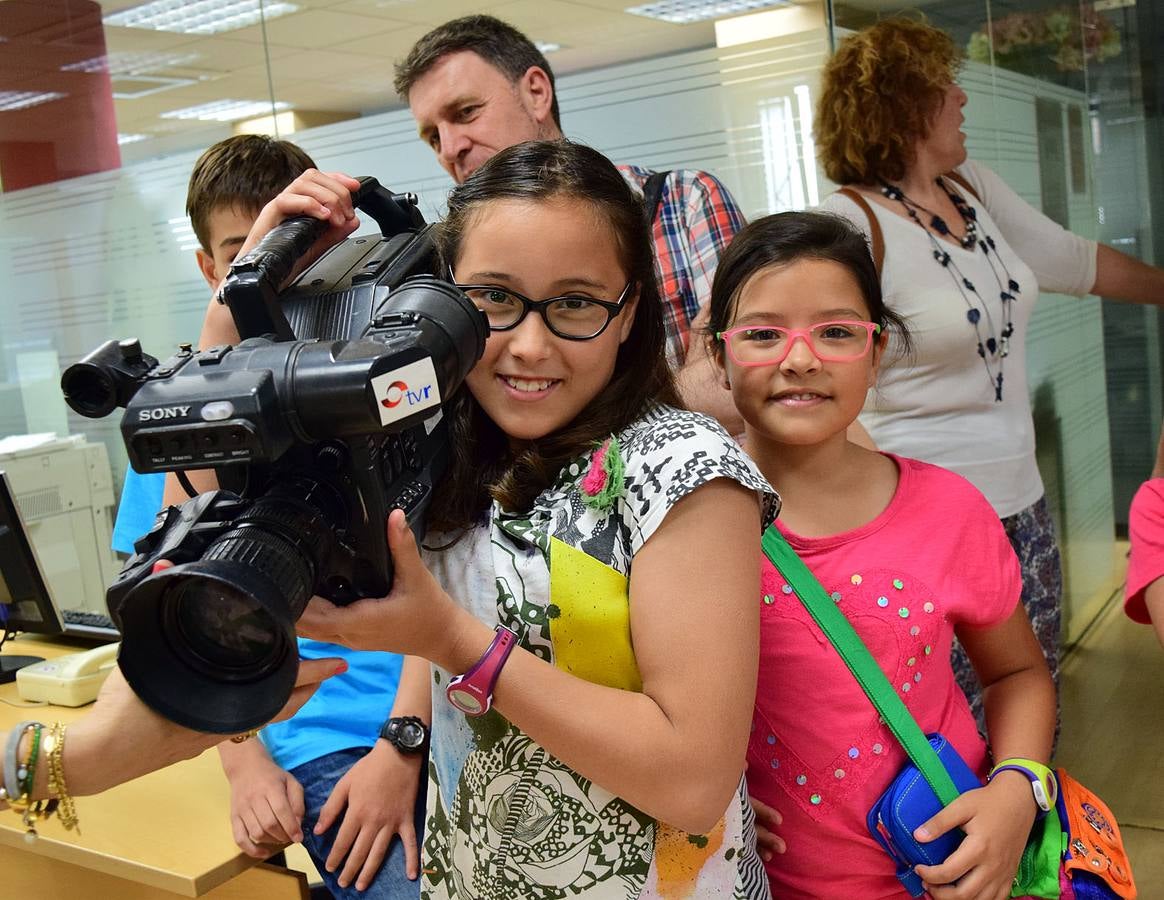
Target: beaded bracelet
{"x":26,"y":771}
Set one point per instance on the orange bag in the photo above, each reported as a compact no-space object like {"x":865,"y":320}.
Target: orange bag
{"x":1094,"y":844}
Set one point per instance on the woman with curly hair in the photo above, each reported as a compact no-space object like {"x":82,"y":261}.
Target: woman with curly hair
{"x":962,"y":258}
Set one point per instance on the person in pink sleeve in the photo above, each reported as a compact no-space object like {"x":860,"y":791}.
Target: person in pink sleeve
{"x":1144,"y":592}
{"x":913,"y":554}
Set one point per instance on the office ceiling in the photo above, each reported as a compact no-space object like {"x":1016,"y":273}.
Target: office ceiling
{"x":328,"y":56}
{"x":337,"y":55}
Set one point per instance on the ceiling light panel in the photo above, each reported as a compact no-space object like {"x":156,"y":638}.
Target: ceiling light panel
{"x":10,"y":100}
{"x":226,"y":110}
{"x":134,"y":87}
{"x":684,"y":12}
{"x":199,"y":16}
{"x":132,"y":63}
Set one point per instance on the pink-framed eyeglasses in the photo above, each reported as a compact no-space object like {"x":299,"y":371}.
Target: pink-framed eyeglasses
{"x":769,"y":345}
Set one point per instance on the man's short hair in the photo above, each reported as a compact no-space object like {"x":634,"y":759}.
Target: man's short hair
{"x":498,"y":43}
{"x":243,"y":172}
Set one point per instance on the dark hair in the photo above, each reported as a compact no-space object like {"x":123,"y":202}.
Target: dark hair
{"x":879,"y":94}
{"x":498,"y":43}
{"x":244,"y":172}
{"x":790,"y":236}
{"x":484,"y":466}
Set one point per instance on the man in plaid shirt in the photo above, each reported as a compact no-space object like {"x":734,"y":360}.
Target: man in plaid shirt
{"x":477,"y":85}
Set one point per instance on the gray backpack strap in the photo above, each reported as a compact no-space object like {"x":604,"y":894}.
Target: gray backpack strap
{"x":652,"y":195}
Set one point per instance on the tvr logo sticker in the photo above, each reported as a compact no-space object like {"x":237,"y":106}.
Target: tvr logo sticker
{"x":399,"y":392}
{"x":406,"y":390}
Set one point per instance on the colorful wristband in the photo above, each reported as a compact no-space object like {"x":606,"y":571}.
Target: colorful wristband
{"x":1044,"y":784}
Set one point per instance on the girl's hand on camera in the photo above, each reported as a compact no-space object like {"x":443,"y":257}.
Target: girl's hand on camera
{"x":417,"y":617}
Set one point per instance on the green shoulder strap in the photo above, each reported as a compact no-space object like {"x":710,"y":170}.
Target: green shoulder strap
{"x":860,"y":662}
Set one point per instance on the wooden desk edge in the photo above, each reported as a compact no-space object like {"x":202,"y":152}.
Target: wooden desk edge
{"x":65,"y":850}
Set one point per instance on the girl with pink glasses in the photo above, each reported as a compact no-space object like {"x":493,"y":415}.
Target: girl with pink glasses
{"x":911,"y":553}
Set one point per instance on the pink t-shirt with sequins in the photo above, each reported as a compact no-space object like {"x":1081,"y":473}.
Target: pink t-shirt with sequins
{"x":935,"y":558}
{"x":1146,"y":532}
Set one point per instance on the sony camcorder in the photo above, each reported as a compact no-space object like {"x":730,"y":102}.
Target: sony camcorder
{"x":324,"y":418}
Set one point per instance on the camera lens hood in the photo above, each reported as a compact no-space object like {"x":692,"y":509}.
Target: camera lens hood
{"x":210,"y":645}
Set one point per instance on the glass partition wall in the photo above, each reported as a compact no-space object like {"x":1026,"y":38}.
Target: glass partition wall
{"x":105,"y":106}
{"x":1060,"y":105}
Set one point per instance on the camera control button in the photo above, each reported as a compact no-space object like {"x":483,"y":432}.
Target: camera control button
{"x":213,"y":355}
{"x":218,"y":411}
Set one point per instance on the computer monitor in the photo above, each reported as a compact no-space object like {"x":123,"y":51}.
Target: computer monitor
{"x":25,"y":601}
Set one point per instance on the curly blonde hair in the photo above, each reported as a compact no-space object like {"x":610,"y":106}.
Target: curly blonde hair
{"x":879,"y":93}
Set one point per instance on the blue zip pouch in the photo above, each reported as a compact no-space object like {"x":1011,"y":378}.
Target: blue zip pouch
{"x":909,"y":802}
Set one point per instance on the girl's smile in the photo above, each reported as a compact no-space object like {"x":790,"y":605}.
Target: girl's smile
{"x":529,"y":389}
{"x":797,"y":398}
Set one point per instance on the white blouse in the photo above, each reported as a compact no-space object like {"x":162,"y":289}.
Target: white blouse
{"x":938,"y":404}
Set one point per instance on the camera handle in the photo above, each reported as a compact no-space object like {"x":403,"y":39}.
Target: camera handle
{"x":252,"y":288}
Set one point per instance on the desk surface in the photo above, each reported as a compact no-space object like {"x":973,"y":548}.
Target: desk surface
{"x":169,"y":829}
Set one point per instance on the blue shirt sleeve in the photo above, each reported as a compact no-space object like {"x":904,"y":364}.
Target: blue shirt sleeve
{"x":141,"y":498}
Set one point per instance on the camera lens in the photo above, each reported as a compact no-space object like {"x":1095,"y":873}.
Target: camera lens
{"x":220,"y":627}
{"x":210,"y":644}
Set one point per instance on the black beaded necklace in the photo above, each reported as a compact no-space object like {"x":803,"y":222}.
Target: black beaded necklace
{"x":994,"y":347}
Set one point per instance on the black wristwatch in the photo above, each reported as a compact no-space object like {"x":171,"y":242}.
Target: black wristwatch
{"x":408,"y":734}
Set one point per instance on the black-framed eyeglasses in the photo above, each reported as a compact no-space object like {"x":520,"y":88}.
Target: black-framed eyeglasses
{"x":570,"y":317}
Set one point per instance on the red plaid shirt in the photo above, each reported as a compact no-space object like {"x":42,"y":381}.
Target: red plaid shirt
{"x":696,"y":219}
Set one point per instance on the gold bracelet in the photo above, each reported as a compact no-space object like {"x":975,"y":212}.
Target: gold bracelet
{"x":245,"y":736}
{"x":50,"y":745}
{"x":31,"y":812}
{"x":66,"y":809}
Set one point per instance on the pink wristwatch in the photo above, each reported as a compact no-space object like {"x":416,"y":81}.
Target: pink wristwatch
{"x":472,"y":693}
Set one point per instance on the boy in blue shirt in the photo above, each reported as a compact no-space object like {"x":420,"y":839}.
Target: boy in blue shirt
{"x":326,"y":778}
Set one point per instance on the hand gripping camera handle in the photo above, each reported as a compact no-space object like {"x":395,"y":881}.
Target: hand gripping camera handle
{"x":275,"y":256}
{"x":251,"y":290}
{"x":256,"y":279}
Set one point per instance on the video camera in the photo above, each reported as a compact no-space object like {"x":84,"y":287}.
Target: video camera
{"x":324,"y":418}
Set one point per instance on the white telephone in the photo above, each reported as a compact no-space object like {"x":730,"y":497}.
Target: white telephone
{"x":71,"y":680}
